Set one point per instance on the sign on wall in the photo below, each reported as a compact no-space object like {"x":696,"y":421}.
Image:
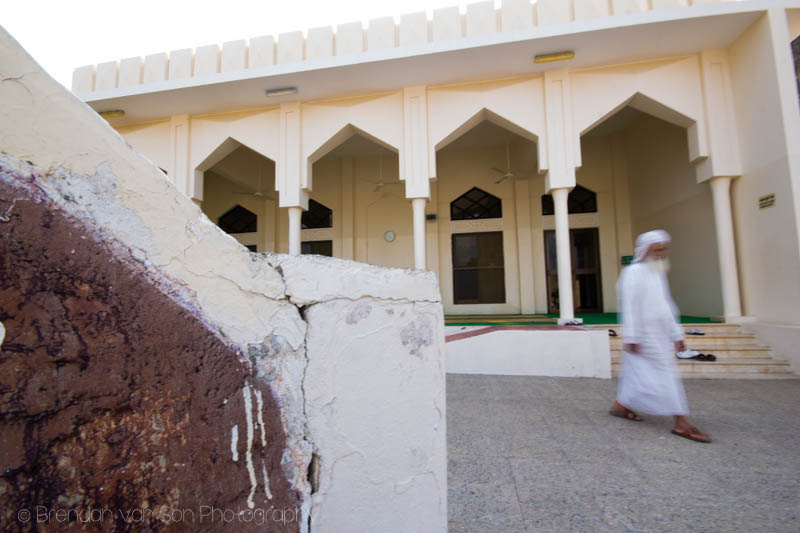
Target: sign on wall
{"x":626,"y":260}
{"x":768,"y":200}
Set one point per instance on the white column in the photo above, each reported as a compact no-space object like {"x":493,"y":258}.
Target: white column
{"x":295,"y":214}
{"x":563,"y":255}
{"x":726,"y":246}
{"x":418,"y":207}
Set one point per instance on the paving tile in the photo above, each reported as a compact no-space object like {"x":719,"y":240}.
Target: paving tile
{"x":485,"y":504}
{"x":779,"y":488}
{"x":465,"y":469}
{"x":542,"y":454}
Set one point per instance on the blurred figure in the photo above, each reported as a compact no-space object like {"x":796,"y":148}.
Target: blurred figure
{"x":651,"y":335}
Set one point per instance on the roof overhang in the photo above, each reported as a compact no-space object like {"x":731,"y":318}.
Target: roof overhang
{"x":602,"y":41}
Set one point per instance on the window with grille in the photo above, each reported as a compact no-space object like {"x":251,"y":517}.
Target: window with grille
{"x":478,"y":269}
{"x":580,"y":200}
{"x":317,"y":248}
{"x":238,"y":220}
{"x":317,"y":216}
{"x":476,"y":204}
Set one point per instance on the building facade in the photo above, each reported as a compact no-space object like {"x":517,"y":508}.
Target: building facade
{"x":515,"y":151}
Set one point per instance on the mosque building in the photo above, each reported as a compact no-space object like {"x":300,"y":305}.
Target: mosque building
{"x":516,"y":149}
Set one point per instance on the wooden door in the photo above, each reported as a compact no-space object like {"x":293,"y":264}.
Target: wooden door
{"x":587,"y":287}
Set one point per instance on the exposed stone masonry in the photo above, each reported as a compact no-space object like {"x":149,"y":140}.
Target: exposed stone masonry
{"x":114,"y":397}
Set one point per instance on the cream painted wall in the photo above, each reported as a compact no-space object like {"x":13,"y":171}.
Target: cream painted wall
{"x":664,"y":193}
{"x":769,"y":259}
{"x":381,"y":210}
{"x":151,"y":140}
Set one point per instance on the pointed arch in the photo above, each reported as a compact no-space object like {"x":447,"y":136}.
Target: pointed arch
{"x":336,"y":140}
{"x":220,"y":152}
{"x":651,"y":106}
{"x":477,"y":118}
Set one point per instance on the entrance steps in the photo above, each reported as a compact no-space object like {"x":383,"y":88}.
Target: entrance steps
{"x":738,"y":354}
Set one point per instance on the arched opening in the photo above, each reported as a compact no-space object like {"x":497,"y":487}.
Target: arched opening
{"x":370,"y":218}
{"x":638,"y":164}
{"x":482,"y":197}
{"x":239,"y":193}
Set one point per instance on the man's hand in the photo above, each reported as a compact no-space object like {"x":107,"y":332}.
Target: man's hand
{"x":632,"y":348}
{"x":680,"y":346}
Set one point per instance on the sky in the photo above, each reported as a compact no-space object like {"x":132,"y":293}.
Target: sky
{"x":64,"y":34}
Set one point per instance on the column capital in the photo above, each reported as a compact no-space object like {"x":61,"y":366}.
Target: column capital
{"x":288,"y":168}
{"x":414,"y":156}
{"x":562,"y":141}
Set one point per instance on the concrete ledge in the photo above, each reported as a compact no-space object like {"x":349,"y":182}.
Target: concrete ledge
{"x":313,"y":279}
{"x":533,"y":352}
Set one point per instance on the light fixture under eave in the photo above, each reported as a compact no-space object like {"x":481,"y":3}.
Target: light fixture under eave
{"x":555,"y":56}
{"x":112,"y":113}
{"x":281,"y":91}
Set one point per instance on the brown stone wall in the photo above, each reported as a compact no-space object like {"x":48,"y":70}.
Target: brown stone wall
{"x":116,"y":402}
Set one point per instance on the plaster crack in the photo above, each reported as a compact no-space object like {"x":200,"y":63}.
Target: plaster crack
{"x":311,"y":464}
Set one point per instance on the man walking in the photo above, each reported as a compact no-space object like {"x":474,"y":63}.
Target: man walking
{"x":651,"y":335}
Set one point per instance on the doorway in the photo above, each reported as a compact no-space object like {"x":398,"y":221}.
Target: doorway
{"x":587,"y":291}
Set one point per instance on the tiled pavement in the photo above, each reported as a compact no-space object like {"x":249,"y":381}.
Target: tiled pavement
{"x":542,"y":454}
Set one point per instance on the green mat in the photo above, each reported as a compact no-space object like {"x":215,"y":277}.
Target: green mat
{"x":588,"y":319}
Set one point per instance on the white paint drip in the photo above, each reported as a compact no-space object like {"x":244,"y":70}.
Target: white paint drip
{"x":266,"y":481}
{"x":235,"y":442}
{"x":260,"y":403}
{"x":248,"y":411}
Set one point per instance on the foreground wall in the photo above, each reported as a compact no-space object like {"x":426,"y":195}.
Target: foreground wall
{"x":154,"y":371}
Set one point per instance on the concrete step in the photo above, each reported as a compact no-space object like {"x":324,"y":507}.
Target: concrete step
{"x":739,"y":356}
{"x":721,"y":339}
{"x":758,"y":366}
{"x":734,"y":375}
{"x":708,"y":329}
{"x":751,"y":351}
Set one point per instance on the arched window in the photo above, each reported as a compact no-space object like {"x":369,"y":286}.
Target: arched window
{"x":475,"y":204}
{"x":238,"y":220}
{"x":317,"y":216}
{"x":580,"y":200}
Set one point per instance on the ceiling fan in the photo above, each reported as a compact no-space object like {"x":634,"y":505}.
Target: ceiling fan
{"x":380,"y":184}
{"x":507,"y":173}
{"x":258,"y":193}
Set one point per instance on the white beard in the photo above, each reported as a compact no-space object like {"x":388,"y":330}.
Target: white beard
{"x":660,"y":266}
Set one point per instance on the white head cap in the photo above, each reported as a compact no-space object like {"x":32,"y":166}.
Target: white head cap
{"x":646,"y":240}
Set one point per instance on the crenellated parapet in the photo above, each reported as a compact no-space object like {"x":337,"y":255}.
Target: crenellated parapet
{"x":479,"y":19}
